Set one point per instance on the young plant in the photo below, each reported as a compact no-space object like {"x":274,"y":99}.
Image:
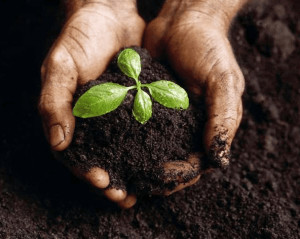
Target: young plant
{"x":104,"y":98}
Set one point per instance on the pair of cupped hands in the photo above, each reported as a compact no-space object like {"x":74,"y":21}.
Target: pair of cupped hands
{"x":190,"y":35}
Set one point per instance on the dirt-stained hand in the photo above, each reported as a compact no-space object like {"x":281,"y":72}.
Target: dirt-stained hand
{"x":192,"y":35}
{"x":93,"y":34}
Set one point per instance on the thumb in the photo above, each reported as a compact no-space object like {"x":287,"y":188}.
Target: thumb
{"x":224,"y":108}
{"x":59,"y":81}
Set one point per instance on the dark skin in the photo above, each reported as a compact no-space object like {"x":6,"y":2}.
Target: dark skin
{"x":191,"y":35}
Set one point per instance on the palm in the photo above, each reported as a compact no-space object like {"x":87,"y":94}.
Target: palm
{"x":91,"y":38}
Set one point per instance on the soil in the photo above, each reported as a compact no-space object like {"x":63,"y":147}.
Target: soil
{"x":258,"y":196}
{"x":132,"y":153}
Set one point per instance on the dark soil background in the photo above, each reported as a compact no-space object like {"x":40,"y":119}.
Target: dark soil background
{"x":258,"y":196}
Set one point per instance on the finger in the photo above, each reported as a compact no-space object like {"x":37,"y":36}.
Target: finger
{"x":182,"y":170}
{"x":59,"y":77}
{"x":97,"y":177}
{"x":182,"y":186}
{"x":181,"y":174}
{"x":128,"y":202}
{"x":115,"y":195}
{"x":224,"y":111}
{"x":194,"y":161}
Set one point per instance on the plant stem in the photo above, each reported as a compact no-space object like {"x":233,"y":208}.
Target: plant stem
{"x":138,"y":85}
{"x":136,"y":80}
{"x":131,"y":87}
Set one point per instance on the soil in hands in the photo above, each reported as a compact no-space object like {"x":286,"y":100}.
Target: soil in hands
{"x":133,"y":153}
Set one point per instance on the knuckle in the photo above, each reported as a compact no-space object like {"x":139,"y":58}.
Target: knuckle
{"x":45,"y":104}
{"x":43,"y":70}
{"x":229,"y":81}
{"x":228,"y":78}
{"x":61,"y":60}
{"x":238,"y":83}
{"x":41,"y":105}
{"x":56,"y":58}
{"x":241,"y":83}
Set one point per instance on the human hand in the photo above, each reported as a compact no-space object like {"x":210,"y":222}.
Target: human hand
{"x":93,"y":34}
{"x":192,"y":35}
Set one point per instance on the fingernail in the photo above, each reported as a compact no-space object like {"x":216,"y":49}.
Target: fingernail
{"x":56,"y":135}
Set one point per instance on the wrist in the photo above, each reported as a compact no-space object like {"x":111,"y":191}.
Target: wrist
{"x":74,"y":5}
{"x":229,"y":10}
{"x":220,"y":13}
{"x":225,"y":11}
{"x":214,"y":14}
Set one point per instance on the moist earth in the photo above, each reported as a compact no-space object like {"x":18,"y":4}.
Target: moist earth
{"x":133,"y":153}
{"x":258,"y":195}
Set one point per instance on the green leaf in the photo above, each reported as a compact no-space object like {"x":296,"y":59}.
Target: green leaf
{"x":142,"y":107}
{"x":129,"y":62}
{"x":169,"y":94}
{"x":99,"y":100}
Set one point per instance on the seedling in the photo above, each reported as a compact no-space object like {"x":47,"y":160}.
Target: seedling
{"x":104,"y":98}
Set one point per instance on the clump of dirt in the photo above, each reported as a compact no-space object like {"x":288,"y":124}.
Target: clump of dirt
{"x":133,"y":153}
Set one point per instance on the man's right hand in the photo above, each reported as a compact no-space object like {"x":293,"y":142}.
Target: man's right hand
{"x":94,"y":32}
